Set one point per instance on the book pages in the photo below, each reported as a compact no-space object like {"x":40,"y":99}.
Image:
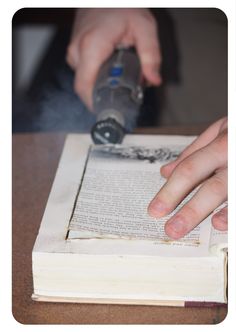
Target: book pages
{"x":118,"y":184}
{"x":54,"y":235}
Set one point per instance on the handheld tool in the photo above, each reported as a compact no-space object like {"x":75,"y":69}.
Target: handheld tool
{"x":117,"y":97}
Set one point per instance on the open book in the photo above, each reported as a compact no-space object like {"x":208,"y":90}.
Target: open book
{"x":97,"y":243}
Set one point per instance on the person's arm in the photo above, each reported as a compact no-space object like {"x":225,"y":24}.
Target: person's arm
{"x":97,"y":32}
{"x":203,"y":162}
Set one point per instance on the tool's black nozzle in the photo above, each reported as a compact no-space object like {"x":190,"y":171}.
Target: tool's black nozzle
{"x":107,"y":131}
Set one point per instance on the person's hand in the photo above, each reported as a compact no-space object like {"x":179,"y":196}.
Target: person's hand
{"x":97,"y":32}
{"x":203,"y":162}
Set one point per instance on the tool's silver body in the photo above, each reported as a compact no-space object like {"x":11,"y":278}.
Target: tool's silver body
{"x":117,"y":97}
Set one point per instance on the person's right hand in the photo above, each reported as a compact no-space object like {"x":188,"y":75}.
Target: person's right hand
{"x":205,"y":163}
{"x":97,"y":32}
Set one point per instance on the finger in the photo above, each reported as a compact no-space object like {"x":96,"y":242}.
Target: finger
{"x":148,"y":48}
{"x":220,"y":219}
{"x":72,"y":53}
{"x":187,"y":175}
{"x":224,"y":124}
{"x":93,"y":52}
{"x":202,"y":140}
{"x":211,"y":194}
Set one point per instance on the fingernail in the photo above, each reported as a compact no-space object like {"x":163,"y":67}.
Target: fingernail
{"x":219,"y":222}
{"x":167,"y":169}
{"x":164,"y":168}
{"x":222,"y":217}
{"x":176,"y":228}
{"x":170,"y":164}
{"x":157,"y":208}
{"x":178,"y":225}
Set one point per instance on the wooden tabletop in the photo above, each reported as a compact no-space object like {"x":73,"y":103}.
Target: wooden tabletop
{"x":35,"y":159}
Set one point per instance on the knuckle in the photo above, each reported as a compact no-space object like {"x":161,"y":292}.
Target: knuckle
{"x":148,"y":18}
{"x":149,"y":21}
{"x":222,"y":143}
{"x":86,"y":40}
{"x":185,"y":168}
{"x":145,"y":19}
{"x":152,"y":23}
{"x":217,"y":186}
{"x":151,"y":26}
{"x":150,"y":58}
{"x":183,"y":154}
{"x":190,"y":212}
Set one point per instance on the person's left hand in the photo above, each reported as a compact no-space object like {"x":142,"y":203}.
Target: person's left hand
{"x":203,"y":162}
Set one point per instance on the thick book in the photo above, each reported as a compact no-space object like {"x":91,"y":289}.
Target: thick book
{"x":97,"y":243}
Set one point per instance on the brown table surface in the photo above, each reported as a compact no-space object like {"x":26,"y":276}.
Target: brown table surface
{"x":35,"y":159}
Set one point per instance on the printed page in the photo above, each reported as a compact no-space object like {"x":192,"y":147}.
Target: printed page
{"x":118,"y":184}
